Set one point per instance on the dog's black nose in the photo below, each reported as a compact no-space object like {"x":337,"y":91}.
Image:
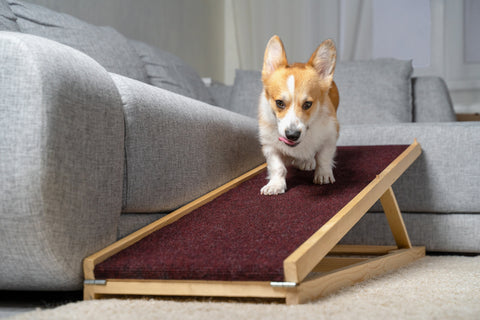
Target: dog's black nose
{"x":292,"y":135}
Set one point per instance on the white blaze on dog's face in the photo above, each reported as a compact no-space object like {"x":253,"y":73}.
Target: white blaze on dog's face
{"x":297,"y":93}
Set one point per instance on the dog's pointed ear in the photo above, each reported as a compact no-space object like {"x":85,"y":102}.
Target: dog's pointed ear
{"x":324,"y":59}
{"x":275,"y":57}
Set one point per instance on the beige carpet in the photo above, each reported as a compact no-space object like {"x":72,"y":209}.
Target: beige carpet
{"x":431,"y":288}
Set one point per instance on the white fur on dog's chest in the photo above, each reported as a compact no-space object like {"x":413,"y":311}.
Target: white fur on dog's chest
{"x":317,"y":136}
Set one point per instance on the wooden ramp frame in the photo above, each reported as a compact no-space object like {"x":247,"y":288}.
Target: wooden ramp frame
{"x":318,"y":267}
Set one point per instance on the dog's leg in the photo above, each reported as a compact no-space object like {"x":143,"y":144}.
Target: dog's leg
{"x":325,"y":163}
{"x":276,"y":173}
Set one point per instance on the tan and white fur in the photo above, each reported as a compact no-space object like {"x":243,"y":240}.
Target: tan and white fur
{"x":297,"y":114}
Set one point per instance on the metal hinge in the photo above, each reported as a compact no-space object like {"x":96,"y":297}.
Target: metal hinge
{"x":283,"y":284}
{"x":95,"y":282}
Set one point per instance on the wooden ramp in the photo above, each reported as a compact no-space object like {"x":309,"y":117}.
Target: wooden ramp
{"x":234,"y":242}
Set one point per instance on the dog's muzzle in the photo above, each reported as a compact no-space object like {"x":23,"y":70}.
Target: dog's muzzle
{"x":292,"y":137}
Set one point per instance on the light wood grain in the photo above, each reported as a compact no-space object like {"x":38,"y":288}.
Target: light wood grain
{"x":395,"y":220}
{"x":333,"y":263}
{"x":327,"y":283}
{"x":299,"y":264}
{"x":319,"y":284}
{"x":361,"y":249}
{"x":198,"y":288}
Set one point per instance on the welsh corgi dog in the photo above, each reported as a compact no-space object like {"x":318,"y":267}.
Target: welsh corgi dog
{"x":298,"y":114}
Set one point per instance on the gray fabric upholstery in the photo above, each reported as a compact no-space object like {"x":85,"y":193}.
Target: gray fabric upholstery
{"x":7,"y":18}
{"x":246,"y":93}
{"x":437,"y":194}
{"x":375,"y":91}
{"x":221,"y":95}
{"x":112,"y":50}
{"x":167,"y":71}
{"x":131,"y":222}
{"x":178,"y":149}
{"x":104,"y":44}
{"x":61,"y":162}
{"x":431,"y":101}
{"x":436,"y":231}
{"x":444,"y":178}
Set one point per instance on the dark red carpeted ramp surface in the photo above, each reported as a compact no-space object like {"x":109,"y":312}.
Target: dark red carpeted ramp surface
{"x":244,"y":236}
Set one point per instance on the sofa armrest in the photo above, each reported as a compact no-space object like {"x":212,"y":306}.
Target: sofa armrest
{"x":445,"y":178}
{"x":61,"y":162}
{"x":431,"y":100}
{"x":178,"y":149}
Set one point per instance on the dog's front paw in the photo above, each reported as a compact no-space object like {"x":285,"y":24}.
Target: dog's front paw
{"x":274,"y":188}
{"x":323,"y":176}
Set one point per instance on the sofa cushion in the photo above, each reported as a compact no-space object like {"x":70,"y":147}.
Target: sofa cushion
{"x":444,"y":179}
{"x":246,"y":91}
{"x":104,"y":44}
{"x":178,"y":148}
{"x":389,"y":102}
{"x":374,"y":91}
{"x":221,"y":94}
{"x":167,"y":71}
{"x":7,"y":18}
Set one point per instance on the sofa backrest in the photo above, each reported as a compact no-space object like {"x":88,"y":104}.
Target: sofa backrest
{"x":103,"y":44}
{"x":374,"y":91}
{"x":7,"y":17}
{"x":109,"y":48}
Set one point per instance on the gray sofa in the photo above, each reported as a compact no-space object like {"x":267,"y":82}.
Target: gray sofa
{"x":101,"y":135}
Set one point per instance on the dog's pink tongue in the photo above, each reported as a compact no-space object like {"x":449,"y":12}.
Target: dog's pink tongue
{"x":285,"y":140}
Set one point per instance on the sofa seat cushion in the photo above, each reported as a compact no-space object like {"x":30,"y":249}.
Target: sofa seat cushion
{"x":440,"y":232}
{"x":444,"y":179}
{"x":178,"y":148}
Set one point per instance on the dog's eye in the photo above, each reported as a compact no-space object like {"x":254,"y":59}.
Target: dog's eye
{"x":280,"y":104}
{"x":307,"y":105}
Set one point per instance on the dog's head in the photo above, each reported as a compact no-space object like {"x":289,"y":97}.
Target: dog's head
{"x":299,"y":92}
